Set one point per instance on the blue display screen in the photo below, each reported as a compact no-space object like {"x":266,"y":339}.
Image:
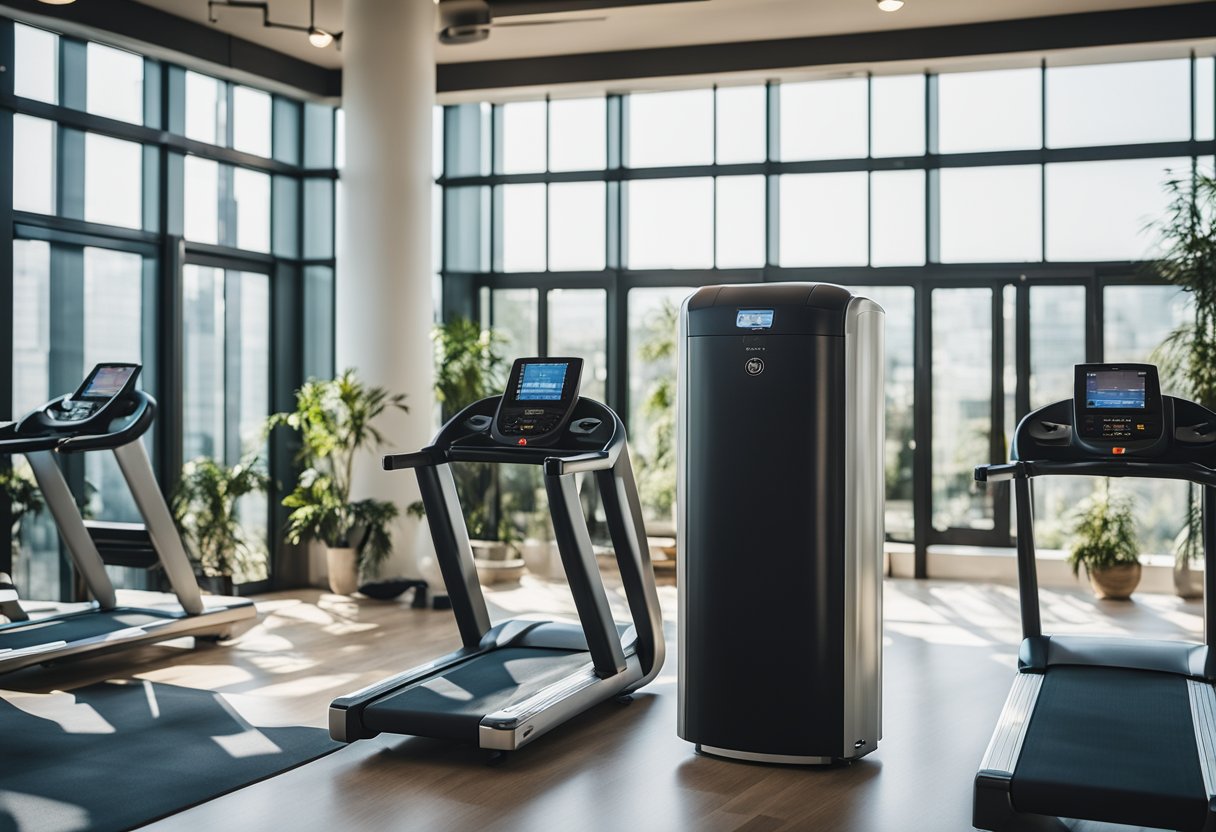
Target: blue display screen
{"x":754,"y":318}
{"x":541,"y":382}
{"x":1114,"y":390}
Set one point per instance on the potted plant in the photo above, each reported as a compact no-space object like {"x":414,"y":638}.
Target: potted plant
{"x":1187,"y":357}
{"x":657,"y":467}
{"x":18,"y":487}
{"x":335,"y":422}
{"x":204,"y":505}
{"x":1104,"y":541}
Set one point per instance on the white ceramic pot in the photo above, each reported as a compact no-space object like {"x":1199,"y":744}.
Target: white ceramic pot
{"x":343,"y":571}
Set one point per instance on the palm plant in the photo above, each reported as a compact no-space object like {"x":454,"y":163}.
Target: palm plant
{"x":1187,"y":357}
{"x":204,"y":505}
{"x":334,"y":420}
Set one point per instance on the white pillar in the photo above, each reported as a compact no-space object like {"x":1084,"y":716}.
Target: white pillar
{"x":383,"y":291}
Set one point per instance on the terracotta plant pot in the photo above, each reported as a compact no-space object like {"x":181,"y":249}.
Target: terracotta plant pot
{"x":343,"y":572}
{"x":1115,"y":583}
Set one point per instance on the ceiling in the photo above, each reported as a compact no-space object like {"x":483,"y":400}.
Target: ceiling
{"x":643,"y":27}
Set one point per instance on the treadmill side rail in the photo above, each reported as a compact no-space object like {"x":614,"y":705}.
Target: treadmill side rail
{"x":992,"y":807}
{"x":1203,"y":715}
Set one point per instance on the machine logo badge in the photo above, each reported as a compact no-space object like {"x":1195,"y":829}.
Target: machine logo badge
{"x":754,"y":366}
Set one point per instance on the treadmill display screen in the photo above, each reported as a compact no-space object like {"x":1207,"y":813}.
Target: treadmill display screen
{"x":754,"y":319}
{"x":107,"y":382}
{"x":541,"y":383}
{"x":1115,"y":390}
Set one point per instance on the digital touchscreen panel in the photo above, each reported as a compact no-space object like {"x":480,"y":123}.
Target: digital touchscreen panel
{"x":1115,"y":390}
{"x":107,"y":382}
{"x":541,"y":383}
{"x":754,"y":319}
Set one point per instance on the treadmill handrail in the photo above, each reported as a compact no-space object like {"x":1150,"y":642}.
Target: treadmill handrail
{"x":28,"y":444}
{"x":135,"y":423}
{"x":1029,"y":469}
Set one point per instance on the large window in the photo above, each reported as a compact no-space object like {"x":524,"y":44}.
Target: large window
{"x":1001,"y":216}
{"x":167,"y":204}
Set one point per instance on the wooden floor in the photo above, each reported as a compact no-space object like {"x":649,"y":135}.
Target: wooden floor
{"x":949,"y":656}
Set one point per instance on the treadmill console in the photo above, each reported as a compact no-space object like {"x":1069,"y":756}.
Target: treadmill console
{"x":538,"y":402}
{"x":106,"y":383}
{"x":1118,"y":404}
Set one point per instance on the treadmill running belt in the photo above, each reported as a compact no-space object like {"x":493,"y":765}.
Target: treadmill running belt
{"x":452,"y":706}
{"x":75,"y":627}
{"x":1113,"y":745}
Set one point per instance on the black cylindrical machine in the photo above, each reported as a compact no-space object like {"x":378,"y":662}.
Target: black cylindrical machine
{"x":780,"y":522}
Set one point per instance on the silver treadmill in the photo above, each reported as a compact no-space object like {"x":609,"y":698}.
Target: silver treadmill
{"x":510,"y":683}
{"x":105,"y":413}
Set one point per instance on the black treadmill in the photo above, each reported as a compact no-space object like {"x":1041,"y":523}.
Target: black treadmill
{"x":512,"y":682}
{"x":106,"y":412}
{"x":1101,"y":728}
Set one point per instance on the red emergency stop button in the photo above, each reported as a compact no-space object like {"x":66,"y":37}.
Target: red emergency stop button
{"x":523,"y":441}
{"x":1118,"y":451}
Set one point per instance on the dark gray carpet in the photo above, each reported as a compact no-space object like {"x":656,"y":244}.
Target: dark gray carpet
{"x":127,"y":754}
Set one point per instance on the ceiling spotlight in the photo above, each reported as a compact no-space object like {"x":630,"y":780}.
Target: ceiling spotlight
{"x":58,"y":2}
{"x":890,"y":5}
{"x":319,"y":37}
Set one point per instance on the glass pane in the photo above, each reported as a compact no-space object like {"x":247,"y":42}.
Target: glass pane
{"x":897,"y":107}
{"x":202,"y":188}
{"x":206,"y":109}
{"x":670,"y":223}
{"x":515,"y":318}
{"x":578,"y":326}
{"x":824,"y":119}
{"x":318,"y":135}
{"x":1057,"y":341}
{"x":742,"y":131}
{"x":31,"y":325}
{"x":741,"y":210}
{"x":576,"y":226}
{"x":578,"y":134}
{"x":466,"y":223}
{"x":436,"y":140}
{"x":823,"y":219}
{"x":319,"y":322}
{"x":466,"y":140}
{"x":670,"y":128}
{"x":113,"y":331}
{"x":1138,"y":318}
{"x":991,"y":215}
{"x":249,"y":379}
{"x":1119,"y":103}
{"x":251,"y":191}
{"x":523,"y":227}
{"x":998,"y":110}
{"x":251,"y":131}
{"x":898,"y":303}
{"x":35,"y":63}
{"x":36,"y":565}
{"x":318,"y":217}
{"x":33,"y":164}
{"x":653,"y":319}
{"x":962,"y":400}
{"x":115,"y":84}
{"x":203,"y":362}
{"x":1136,"y":321}
{"x":113,"y":181}
{"x":897,"y":218}
{"x":1100,"y":210}
{"x":1205,"y":99}
{"x":523,"y":137}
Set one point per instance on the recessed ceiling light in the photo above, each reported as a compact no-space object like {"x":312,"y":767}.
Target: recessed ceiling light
{"x":890,"y":5}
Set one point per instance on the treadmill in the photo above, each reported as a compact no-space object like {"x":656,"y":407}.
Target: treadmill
{"x":512,"y":682}
{"x":1101,"y":728}
{"x":106,"y":413}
